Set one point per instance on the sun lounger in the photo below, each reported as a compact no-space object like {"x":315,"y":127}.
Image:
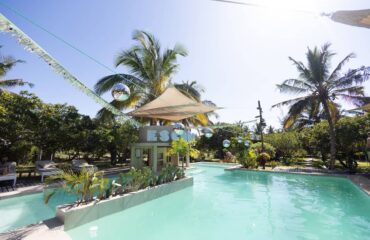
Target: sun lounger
{"x":8,"y":172}
{"x":79,"y":164}
{"x":46,"y":168}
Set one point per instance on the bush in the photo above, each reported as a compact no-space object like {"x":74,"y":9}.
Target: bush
{"x":137,"y":179}
{"x":287,"y":144}
{"x":170,"y":173}
{"x":267,"y":148}
{"x":274,"y":164}
{"x":263,"y":158}
{"x":248,"y":159}
{"x":84,"y":185}
{"x":88,"y":185}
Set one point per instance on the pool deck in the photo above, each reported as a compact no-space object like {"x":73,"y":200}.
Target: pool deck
{"x":22,"y":191}
{"x":46,"y":230}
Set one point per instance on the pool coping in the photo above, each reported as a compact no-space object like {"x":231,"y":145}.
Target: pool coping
{"x":358,"y":180}
{"x":22,"y":191}
{"x":45,"y":230}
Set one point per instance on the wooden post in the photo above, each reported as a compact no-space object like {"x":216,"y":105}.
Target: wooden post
{"x":154,"y":158}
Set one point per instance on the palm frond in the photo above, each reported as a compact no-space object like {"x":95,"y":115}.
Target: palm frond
{"x":354,"y":90}
{"x":286,"y":88}
{"x":336,"y":72}
{"x":353,"y":76}
{"x":190,"y":90}
{"x":304,"y":73}
{"x":105,"y":84}
{"x":107,"y":116}
{"x":291,"y":101}
{"x":353,"y":99}
{"x":10,"y":83}
{"x":296,"y":110}
{"x":334,"y":110}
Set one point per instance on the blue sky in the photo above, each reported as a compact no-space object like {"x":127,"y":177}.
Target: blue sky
{"x":237,"y":53}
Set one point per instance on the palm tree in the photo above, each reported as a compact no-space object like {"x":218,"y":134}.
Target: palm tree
{"x":150,"y":67}
{"x":194,"y":90}
{"x":6,"y":64}
{"x":320,"y":88}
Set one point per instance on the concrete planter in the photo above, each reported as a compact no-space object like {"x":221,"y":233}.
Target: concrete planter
{"x":76,"y":216}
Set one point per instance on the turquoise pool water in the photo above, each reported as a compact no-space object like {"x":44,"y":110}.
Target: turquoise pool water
{"x":28,"y":209}
{"x":243,"y":205}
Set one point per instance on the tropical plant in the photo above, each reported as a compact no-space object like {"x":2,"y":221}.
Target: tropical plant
{"x":6,"y":64}
{"x":181,"y":147}
{"x":221,"y":132}
{"x":170,"y":173}
{"x":262,"y":159}
{"x":350,"y":139}
{"x":137,"y":179}
{"x":247,"y":158}
{"x":274,"y":164}
{"x":194,"y":91}
{"x":150,"y":67}
{"x":84,"y":185}
{"x":268,"y":148}
{"x":321,"y":88}
{"x":286,"y":144}
{"x":317,"y":140}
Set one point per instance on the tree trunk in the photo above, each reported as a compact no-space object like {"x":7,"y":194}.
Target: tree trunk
{"x":331,"y":134}
{"x":40,"y":154}
{"x":113,"y":156}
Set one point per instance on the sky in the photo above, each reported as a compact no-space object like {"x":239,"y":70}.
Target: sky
{"x":237,"y":53}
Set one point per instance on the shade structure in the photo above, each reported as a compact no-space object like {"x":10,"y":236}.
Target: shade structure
{"x":172,"y":105}
{"x":366,"y":107}
{"x":358,"y":18}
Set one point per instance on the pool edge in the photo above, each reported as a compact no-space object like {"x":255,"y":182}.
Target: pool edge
{"x":361,"y":182}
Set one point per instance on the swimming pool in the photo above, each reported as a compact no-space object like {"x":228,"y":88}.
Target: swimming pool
{"x":243,"y":205}
{"x":29,"y":209}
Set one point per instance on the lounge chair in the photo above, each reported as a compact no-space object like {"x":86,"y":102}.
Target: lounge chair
{"x":8,"y":172}
{"x":79,"y":164}
{"x":46,"y":168}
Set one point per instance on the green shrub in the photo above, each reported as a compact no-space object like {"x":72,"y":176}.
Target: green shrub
{"x":267,"y":148}
{"x":170,"y":173}
{"x":274,"y":164}
{"x":286,"y":144}
{"x":247,"y":159}
{"x":137,"y":179}
{"x":84,"y":185}
{"x":262,"y":158}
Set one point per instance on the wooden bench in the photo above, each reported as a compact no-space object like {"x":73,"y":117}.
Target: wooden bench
{"x":29,"y":170}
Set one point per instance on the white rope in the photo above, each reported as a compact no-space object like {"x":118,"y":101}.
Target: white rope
{"x":29,"y":45}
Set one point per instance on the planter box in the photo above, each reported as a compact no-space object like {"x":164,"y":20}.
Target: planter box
{"x":76,"y":216}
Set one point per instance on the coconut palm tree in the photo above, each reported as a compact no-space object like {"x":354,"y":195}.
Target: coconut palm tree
{"x":194,"y":91}
{"x":150,"y":67}
{"x":319,"y":89}
{"x":6,"y":64}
